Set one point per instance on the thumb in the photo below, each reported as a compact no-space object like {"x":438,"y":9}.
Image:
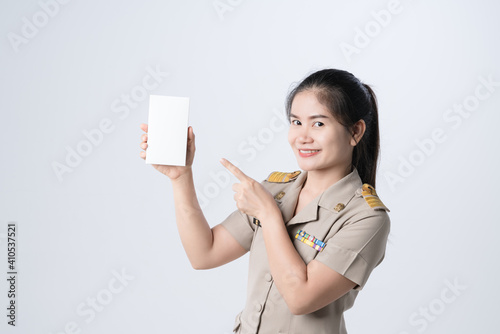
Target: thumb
{"x":191,"y":142}
{"x":190,"y":133}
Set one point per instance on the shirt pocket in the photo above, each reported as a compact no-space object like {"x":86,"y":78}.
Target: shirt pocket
{"x":306,"y":251}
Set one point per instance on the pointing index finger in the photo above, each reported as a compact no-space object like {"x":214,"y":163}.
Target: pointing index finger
{"x":233,"y":169}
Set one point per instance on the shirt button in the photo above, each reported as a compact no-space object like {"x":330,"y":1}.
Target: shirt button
{"x":258,"y":307}
{"x":268,"y":277}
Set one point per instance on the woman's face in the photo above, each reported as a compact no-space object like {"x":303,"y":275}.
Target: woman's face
{"x":318,"y":141}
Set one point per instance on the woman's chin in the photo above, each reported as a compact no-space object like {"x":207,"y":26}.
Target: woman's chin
{"x":306,"y":165}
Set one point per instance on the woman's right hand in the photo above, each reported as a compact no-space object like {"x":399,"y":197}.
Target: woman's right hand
{"x":173,"y":172}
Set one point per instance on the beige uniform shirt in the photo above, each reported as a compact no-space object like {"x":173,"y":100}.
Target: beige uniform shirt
{"x":352,"y":223}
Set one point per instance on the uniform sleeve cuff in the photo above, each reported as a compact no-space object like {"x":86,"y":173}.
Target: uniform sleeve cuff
{"x":347,"y":263}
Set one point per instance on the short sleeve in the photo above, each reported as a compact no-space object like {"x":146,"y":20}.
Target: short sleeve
{"x":358,"y":247}
{"x":240,"y":227}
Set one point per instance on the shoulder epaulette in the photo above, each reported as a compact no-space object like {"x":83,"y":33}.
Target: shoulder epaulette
{"x":281,"y":177}
{"x":371,"y":197}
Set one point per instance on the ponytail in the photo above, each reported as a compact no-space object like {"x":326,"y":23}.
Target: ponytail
{"x":365,"y":153}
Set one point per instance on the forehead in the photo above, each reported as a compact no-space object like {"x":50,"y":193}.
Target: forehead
{"x":306,"y":104}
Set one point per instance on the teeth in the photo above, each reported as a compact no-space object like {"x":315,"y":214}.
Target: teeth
{"x":310,"y":151}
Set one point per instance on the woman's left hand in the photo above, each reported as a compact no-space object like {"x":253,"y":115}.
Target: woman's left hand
{"x":251,"y":197}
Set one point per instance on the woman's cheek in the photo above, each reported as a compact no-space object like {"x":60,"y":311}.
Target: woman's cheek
{"x":291,"y":136}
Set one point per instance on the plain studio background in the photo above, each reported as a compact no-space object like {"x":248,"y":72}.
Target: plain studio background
{"x":98,"y":248}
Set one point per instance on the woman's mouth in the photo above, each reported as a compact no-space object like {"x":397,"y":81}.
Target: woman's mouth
{"x":308,"y":153}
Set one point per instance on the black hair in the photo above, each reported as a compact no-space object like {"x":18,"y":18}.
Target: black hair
{"x":348,"y":100}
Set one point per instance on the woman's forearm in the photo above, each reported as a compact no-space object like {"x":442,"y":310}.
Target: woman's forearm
{"x":196,"y":234}
{"x":287,"y":267}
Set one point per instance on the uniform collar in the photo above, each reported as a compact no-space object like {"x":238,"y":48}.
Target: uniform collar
{"x":341,"y":191}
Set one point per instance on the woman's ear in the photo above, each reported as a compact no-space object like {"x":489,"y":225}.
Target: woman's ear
{"x":358,"y":130}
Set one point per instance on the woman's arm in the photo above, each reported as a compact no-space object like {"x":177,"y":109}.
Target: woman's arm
{"x":205,"y":247}
{"x":305,"y":288}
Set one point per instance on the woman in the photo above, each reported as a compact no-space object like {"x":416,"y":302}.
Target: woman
{"x":314,"y":235}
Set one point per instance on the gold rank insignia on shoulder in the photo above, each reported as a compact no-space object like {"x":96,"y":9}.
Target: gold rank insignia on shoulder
{"x":281,"y":177}
{"x":370,"y":196}
{"x":310,"y":240}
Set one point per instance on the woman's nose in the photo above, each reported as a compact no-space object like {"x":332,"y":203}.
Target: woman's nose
{"x":304,"y":136}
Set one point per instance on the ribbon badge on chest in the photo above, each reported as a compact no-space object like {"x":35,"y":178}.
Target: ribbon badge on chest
{"x":310,"y":240}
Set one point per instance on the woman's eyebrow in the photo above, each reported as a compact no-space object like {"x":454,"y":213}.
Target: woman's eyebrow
{"x":310,"y":117}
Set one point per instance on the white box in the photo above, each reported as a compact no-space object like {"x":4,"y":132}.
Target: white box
{"x":167,"y":130}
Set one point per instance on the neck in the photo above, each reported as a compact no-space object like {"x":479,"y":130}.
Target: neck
{"x":318,"y":181}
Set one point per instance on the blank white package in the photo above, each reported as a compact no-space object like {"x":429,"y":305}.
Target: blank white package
{"x":167,"y":130}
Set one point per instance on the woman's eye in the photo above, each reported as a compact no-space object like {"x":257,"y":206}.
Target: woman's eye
{"x":295,"y":122}
{"x":319,"y":123}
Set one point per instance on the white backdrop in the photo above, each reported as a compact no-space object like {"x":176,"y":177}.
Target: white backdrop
{"x":97,"y":246}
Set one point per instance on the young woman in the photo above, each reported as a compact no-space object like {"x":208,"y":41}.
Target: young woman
{"x":314,"y":235}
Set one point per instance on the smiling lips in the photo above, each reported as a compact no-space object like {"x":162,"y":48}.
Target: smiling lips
{"x":308,"y":153}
